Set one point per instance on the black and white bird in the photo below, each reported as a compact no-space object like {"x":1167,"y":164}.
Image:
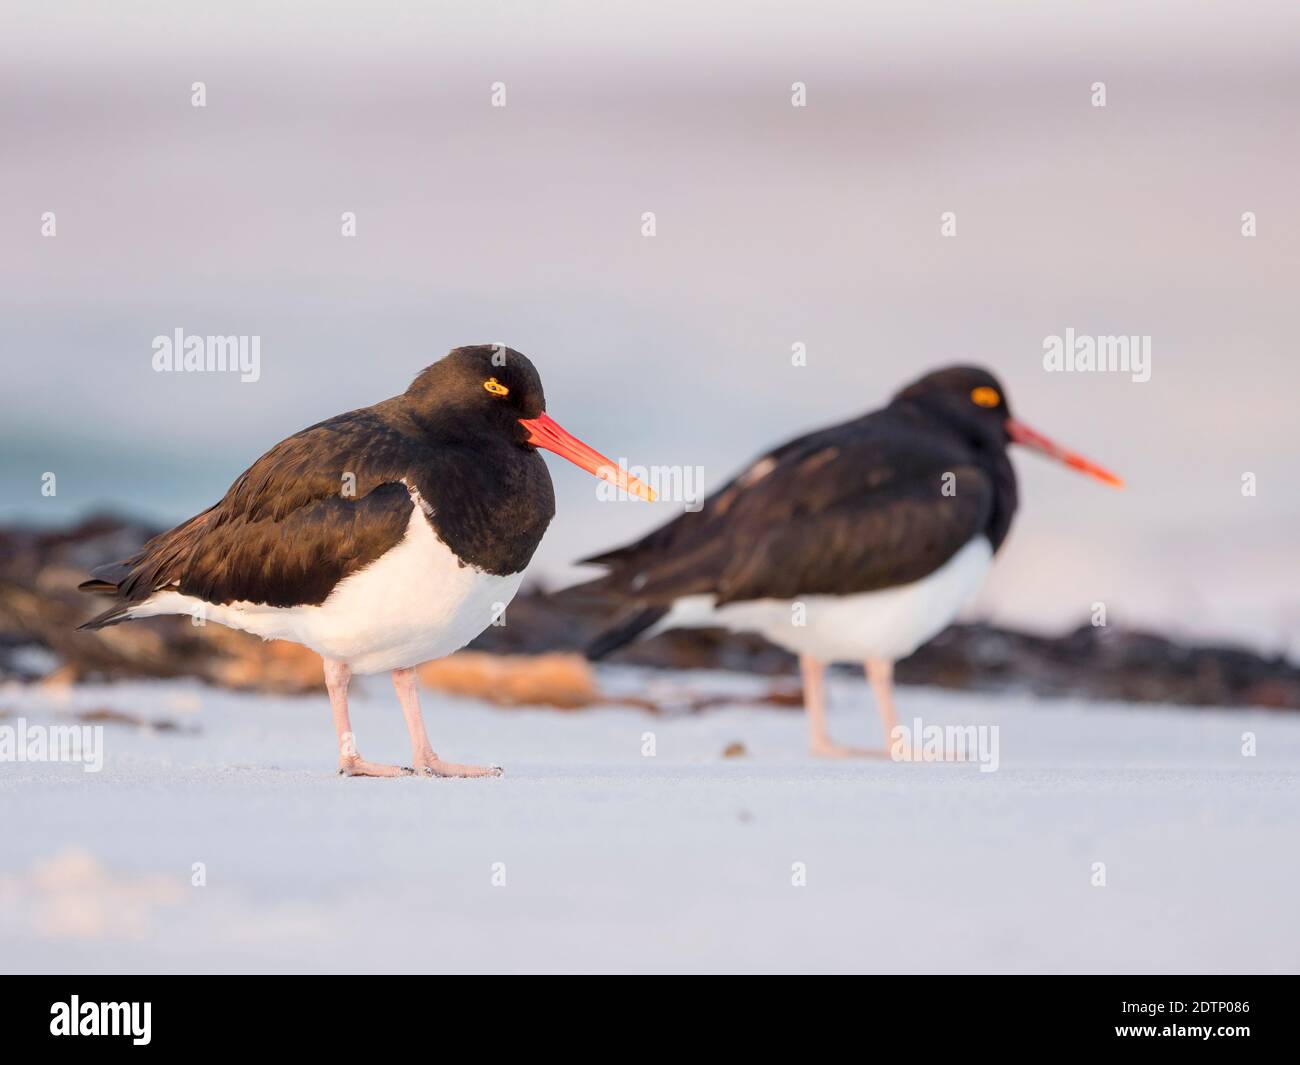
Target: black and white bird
{"x":856,"y":543}
{"x":380,"y":538}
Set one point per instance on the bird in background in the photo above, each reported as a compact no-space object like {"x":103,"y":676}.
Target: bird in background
{"x":858,"y":542}
{"x":380,"y":538}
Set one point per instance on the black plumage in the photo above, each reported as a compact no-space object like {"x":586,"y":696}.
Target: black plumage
{"x":329,"y":500}
{"x":879,"y":501}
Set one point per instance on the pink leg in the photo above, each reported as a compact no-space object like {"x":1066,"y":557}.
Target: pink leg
{"x":880,"y":674}
{"x":427,"y":763}
{"x":814,"y":705}
{"x":351,"y":764}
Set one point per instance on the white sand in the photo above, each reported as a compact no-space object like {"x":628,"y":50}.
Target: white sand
{"x":683,"y":861}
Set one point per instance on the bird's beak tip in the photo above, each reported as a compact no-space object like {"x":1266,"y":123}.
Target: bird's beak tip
{"x":1020,"y":433}
{"x":545,"y":432}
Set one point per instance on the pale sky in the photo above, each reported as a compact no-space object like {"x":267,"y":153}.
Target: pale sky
{"x":775,"y":225}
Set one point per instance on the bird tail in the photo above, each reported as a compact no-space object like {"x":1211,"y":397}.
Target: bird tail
{"x":625,"y":628}
{"x":105,"y":580}
{"x":112,"y":616}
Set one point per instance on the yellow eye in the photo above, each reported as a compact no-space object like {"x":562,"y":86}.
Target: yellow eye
{"x":985,"y":396}
{"x":497,"y":389}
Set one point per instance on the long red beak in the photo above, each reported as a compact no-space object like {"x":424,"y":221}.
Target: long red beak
{"x":1022,"y":434}
{"x":545,"y":431}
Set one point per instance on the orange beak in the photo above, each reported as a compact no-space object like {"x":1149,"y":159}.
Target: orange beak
{"x":544,"y":431}
{"x":1022,"y":434}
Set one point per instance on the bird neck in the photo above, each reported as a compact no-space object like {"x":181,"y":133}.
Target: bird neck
{"x":987,"y":451}
{"x":1005,"y":495}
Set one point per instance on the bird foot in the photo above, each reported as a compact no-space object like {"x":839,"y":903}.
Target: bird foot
{"x":354,"y":766}
{"x":430,"y":765}
{"x":827,"y":749}
{"x":912,"y":754}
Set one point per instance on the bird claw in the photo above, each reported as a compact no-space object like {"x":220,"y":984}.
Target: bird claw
{"x":357,"y":767}
{"x":433,"y":766}
{"x":835,"y":750}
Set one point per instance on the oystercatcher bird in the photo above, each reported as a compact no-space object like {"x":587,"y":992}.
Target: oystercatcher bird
{"x":855,"y":543}
{"x":380,"y":538}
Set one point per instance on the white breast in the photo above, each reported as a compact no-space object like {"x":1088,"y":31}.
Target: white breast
{"x":414,"y":603}
{"x":890,"y":623}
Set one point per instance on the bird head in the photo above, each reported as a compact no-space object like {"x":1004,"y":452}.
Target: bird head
{"x":493,"y":388}
{"x":973,"y":402}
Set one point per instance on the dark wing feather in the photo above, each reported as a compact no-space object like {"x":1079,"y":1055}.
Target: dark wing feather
{"x":299,"y":558}
{"x":317,"y":507}
{"x":854,"y":548}
{"x":854,"y":508}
